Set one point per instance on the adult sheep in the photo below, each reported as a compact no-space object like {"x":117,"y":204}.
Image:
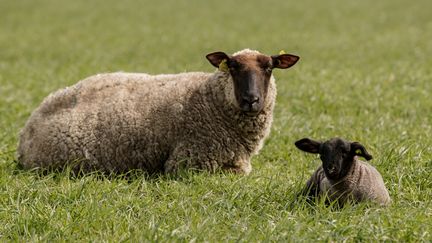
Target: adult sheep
{"x":117,"y":122}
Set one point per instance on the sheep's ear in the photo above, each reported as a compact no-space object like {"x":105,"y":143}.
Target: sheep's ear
{"x":308,"y":145}
{"x":216,"y":58}
{"x":359,"y":150}
{"x":284,"y":60}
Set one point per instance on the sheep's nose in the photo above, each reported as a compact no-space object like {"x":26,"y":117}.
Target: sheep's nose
{"x":251,"y":99}
{"x":332,"y":168}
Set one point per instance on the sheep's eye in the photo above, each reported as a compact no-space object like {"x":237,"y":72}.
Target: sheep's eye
{"x":267,"y":67}
{"x":234,"y":66}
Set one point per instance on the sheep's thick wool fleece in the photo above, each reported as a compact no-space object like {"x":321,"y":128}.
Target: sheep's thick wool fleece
{"x":122,"y":121}
{"x":362,"y":183}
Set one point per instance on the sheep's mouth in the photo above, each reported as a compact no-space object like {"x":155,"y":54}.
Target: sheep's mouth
{"x":332,"y":173}
{"x":251,"y":113}
{"x":250,"y":109}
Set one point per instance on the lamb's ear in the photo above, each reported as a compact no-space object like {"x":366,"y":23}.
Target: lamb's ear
{"x":308,"y":145}
{"x":358,"y":149}
{"x":284,"y":60}
{"x":216,"y":58}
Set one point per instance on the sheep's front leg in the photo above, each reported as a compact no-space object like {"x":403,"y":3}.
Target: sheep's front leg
{"x":185,"y":159}
{"x":239,"y":167}
{"x":178,"y":159}
{"x":174,"y":165}
{"x":313,"y":186}
{"x":311,"y":190}
{"x":171,"y":166}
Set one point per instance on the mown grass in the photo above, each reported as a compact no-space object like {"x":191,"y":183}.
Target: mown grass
{"x":365,"y":74}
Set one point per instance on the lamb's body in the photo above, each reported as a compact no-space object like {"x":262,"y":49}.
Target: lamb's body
{"x":362,"y":183}
{"x":122,"y":121}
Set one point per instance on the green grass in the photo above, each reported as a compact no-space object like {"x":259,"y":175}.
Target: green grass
{"x":365,"y":74}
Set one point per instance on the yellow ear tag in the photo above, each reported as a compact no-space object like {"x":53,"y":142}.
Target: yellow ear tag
{"x":223,"y":66}
{"x":358,"y":152}
{"x":282,"y":52}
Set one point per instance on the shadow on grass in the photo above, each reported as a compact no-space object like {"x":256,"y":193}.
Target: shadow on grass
{"x":74,"y":172}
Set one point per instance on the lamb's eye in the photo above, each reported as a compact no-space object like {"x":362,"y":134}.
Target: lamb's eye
{"x":268,"y":69}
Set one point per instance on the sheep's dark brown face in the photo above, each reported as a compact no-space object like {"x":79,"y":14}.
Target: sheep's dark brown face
{"x":251,"y":74}
{"x":337,"y":155}
{"x":251,"y":77}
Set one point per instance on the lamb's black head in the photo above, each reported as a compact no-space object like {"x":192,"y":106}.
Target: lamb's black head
{"x":251,"y":73}
{"x":337,"y":155}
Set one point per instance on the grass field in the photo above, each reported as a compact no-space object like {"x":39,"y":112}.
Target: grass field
{"x":365,"y":74}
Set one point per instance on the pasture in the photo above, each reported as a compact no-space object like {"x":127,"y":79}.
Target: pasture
{"x":365,"y":74}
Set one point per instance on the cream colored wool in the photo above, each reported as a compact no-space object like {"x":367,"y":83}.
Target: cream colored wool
{"x":121,"y":121}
